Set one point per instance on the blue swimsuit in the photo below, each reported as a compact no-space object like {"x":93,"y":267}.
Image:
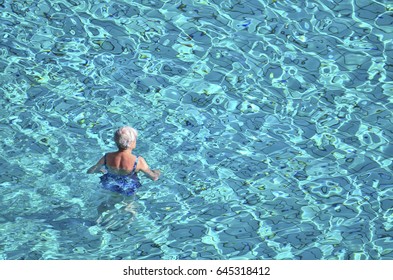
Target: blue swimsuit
{"x":123,"y":184}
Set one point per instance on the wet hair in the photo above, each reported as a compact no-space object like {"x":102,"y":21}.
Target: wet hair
{"x":125,"y":136}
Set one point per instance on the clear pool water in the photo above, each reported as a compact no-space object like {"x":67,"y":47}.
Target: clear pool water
{"x":271,"y":121}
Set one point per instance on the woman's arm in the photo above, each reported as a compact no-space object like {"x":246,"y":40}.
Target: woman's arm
{"x":97,"y":167}
{"x":152,"y":174}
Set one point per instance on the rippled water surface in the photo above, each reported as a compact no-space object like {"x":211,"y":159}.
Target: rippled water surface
{"x":270,"y":120}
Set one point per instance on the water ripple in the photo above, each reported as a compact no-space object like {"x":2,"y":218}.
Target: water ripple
{"x":271,"y":122}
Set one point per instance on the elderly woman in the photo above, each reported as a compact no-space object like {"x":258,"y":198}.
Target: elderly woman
{"x":120,"y":168}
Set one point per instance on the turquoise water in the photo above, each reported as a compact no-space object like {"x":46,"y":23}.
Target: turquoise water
{"x":271,"y":122}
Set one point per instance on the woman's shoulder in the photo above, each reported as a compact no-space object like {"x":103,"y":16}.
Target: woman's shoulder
{"x":141,"y":162}
{"x":113,"y":153}
{"x":140,"y":158}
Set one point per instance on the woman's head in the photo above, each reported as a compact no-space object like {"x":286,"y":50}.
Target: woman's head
{"x":125,"y":137}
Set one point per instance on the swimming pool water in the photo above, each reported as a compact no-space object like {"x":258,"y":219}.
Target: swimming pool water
{"x":271,"y":122}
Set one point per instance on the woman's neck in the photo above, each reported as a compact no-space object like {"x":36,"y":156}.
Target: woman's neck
{"x":129,"y":150}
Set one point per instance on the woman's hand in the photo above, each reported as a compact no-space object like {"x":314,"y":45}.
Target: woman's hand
{"x":156,"y":174}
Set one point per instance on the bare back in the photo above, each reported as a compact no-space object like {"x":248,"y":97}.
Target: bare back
{"x":121,"y":163}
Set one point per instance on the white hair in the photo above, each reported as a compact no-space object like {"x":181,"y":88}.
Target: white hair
{"x":125,"y":136}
